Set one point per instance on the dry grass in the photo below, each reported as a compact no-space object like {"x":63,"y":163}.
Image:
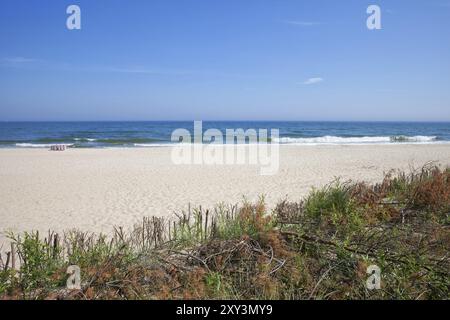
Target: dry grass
{"x":319,"y":248}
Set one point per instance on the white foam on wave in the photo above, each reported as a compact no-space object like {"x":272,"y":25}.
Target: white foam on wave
{"x":330,"y":140}
{"x":39,"y":145}
{"x":175,"y":144}
{"x":357,"y":140}
{"x":152,"y":145}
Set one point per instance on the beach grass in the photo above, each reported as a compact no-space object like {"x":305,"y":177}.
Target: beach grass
{"x":317,"y":248}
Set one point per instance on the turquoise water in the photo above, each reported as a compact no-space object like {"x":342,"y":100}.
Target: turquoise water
{"x":158,"y":133}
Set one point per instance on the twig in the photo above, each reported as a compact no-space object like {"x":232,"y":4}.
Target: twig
{"x":191,"y":256}
{"x":8,"y":256}
{"x":13,"y":256}
{"x":320,"y":280}
{"x":309,"y":238}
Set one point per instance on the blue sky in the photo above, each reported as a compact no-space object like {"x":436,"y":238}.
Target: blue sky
{"x":225,"y":60}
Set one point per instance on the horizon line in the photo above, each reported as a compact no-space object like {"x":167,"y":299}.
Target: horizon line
{"x":244,"y":120}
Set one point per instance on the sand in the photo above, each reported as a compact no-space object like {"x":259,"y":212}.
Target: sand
{"x":96,"y":189}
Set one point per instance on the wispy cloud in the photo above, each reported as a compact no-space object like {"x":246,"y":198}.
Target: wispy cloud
{"x":144,"y":70}
{"x":302,"y":23}
{"x":17,"y":60}
{"x":313,"y":81}
{"x":157,"y":71}
{"x":23,"y":62}
{"x":168,"y":72}
{"x":30,"y":63}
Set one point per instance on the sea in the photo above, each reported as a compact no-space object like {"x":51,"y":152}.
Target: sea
{"x":142,"y":134}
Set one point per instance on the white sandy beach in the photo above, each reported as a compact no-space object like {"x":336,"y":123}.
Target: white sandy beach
{"x":95,"y":189}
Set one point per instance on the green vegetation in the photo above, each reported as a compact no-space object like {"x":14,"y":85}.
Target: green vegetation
{"x":319,"y":248}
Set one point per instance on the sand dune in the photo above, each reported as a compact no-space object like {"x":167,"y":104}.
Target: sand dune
{"x":95,"y":189}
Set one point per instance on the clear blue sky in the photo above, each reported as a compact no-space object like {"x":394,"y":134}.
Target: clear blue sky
{"x":225,"y":60}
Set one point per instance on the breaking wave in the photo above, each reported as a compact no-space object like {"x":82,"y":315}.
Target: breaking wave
{"x":38,"y":145}
{"x":358,"y":140}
